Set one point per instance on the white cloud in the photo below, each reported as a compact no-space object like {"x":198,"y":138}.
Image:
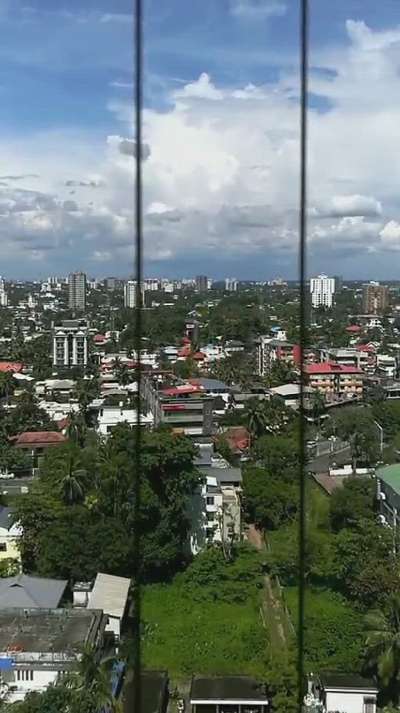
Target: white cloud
{"x":349,"y":205}
{"x":390,"y":235}
{"x":202,"y":88}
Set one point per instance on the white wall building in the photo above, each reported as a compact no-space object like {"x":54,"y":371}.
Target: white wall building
{"x":215,"y":515}
{"x":231,"y":284}
{"x":337,"y":692}
{"x":322,"y":290}
{"x":70,"y":343}
{"x":110,"y":416}
{"x":131,"y":294}
{"x":38,"y":645}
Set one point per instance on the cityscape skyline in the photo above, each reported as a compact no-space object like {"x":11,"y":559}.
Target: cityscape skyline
{"x":221,"y":130}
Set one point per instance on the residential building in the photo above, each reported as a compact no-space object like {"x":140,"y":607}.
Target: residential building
{"x":185,"y":407}
{"x":386,"y":365}
{"x":36,"y":442}
{"x":3,"y":298}
{"x":270,"y":350}
{"x":131,"y":294}
{"x":151,"y":284}
{"x":37,"y":646}
{"x":153,"y":692}
{"x":214,"y":513}
{"x":201,"y":283}
{"x":10,"y":533}
{"x":70,"y":343}
{"x":111,"y":283}
{"x":231,"y":284}
{"x":375,"y":298}
{"x":237,"y":694}
{"x":77,"y":290}
{"x":335,"y":381}
{"x":388,"y":494}
{"x":322,"y":289}
{"x":109,"y":417}
{"x":192,"y":329}
{"x":110,"y":593}
{"x":334,"y":692}
{"x":31,"y":592}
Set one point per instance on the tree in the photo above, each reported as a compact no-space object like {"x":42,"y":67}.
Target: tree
{"x":7,"y":384}
{"x":256,"y":418}
{"x":383,"y":646}
{"x":351,"y":503}
{"x":268,"y":500}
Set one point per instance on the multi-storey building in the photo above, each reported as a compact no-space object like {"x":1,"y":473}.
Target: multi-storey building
{"x":37,"y":646}
{"x":185,"y":407}
{"x":201,"y":283}
{"x":77,"y":290}
{"x":131,"y":294}
{"x":375,"y":298}
{"x":335,"y":381}
{"x":270,"y":350}
{"x":322,"y":290}
{"x":70,"y":343}
{"x":231,"y":284}
{"x":215,"y":515}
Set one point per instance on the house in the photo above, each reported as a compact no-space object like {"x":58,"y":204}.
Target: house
{"x":36,"y":442}
{"x":15,"y":367}
{"x":333,"y":692}
{"x":236,"y":694}
{"x":386,"y":365}
{"x":31,"y":592}
{"x":289,"y":394}
{"x":37,"y":646}
{"x":270,"y":350}
{"x":10,"y":533}
{"x":388,"y":494}
{"x":111,"y":416}
{"x":110,"y":594}
{"x":215,"y":514}
{"x":334,"y":381}
{"x":183,"y":406}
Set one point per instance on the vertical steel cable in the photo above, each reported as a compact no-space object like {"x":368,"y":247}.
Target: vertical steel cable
{"x":138,"y":207}
{"x":304,"y":46}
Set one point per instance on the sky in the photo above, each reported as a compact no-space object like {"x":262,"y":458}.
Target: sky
{"x":220,"y":134}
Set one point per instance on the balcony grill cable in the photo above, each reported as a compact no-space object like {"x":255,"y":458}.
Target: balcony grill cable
{"x":138,"y":271}
{"x":304,"y":52}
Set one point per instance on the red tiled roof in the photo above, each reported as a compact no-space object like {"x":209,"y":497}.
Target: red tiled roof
{"x":15,"y":366}
{"x":99,"y":338}
{"x":198,"y":355}
{"x":42,"y":437}
{"x":330,"y":367}
{"x":366,"y":348}
{"x":353,"y":328}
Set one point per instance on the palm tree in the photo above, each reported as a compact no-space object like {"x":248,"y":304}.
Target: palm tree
{"x":7,"y":384}
{"x":73,"y":482}
{"x":256,"y":418}
{"x":94,"y":675}
{"x":76,"y":430}
{"x":317,"y":407}
{"x":383,"y":645}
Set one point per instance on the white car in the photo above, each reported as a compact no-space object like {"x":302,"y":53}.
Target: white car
{"x":6,"y":476}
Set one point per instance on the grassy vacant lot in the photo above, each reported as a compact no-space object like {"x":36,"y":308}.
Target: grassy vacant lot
{"x":334,"y":630}
{"x":187,"y":636}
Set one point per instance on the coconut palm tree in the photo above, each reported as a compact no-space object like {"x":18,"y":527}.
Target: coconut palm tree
{"x":256,"y":418}
{"x":73,"y":482}
{"x":383,"y":645}
{"x":76,"y":430}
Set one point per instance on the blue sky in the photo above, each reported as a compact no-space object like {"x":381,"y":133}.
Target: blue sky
{"x":221,"y":134}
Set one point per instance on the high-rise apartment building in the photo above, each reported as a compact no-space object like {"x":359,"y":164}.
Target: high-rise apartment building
{"x":322,"y":290}
{"x":70,"y":343}
{"x":131,"y":294}
{"x":201,"y":283}
{"x":375,"y":298}
{"x":3,"y":293}
{"x":77,"y":290}
{"x":231,"y":284}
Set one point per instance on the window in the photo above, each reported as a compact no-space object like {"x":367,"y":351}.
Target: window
{"x":3,"y":547}
{"x":210,"y":500}
{"x":369,"y":705}
{"x":24,"y":675}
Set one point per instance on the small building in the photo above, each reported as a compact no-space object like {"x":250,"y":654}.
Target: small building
{"x":333,"y":692}
{"x":109,"y":417}
{"x":10,"y":533}
{"x":31,"y":592}
{"x":215,"y":514}
{"x":37,"y":646}
{"x":236,"y":694}
{"x":110,"y":594}
{"x":388,"y":493}
{"x":153,"y":692}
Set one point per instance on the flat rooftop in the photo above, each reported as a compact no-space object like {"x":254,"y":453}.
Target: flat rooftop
{"x":227,"y":688}
{"x":48,"y":631}
{"x":153,"y":692}
{"x":390,"y":474}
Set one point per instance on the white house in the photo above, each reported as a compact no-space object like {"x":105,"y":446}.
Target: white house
{"x":215,"y":514}
{"x":38,"y":645}
{"x":110,"y":416}
{"x":10,"y":534}
{"x":339,"y":692}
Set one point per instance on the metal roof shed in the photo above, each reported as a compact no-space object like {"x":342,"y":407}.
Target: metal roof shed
{"x":110,"y":594}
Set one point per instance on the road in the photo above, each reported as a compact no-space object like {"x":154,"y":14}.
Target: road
{"x":12,"y":486}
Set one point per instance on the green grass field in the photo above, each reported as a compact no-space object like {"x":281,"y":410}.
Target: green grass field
{"x":187,"y":636}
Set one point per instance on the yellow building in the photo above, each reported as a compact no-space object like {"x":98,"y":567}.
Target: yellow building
{"x":10,"y":533}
